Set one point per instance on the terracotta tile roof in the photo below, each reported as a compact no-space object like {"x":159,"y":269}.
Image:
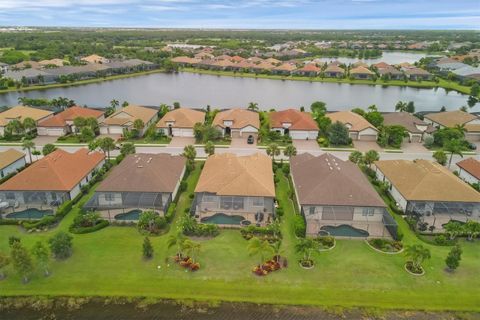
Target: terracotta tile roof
{"x":273,"y":61}
{"x":451,"y":118}
{"x":381,"y":65}
{"x":405,"y":119}
{"x":230,"y":175}
{"x":334,"y":68}
{"x":309,"y":67}
{"x":299,"y":120}
{"x":354,"y":121}
{"x":9,"y":156}
{"x":264,"y":66}
{"x":223,"y":57}
{"x":416,"y":71}
{"x":237,"y":59}
{"x":328,"y":180}
{"x":423,"y":180}
{"x":255,"y":59}
{"x":129,"y":114}
{"x":186,"y":60}
{"x":360,"y":64}
{"x":241,"y":118}
{"x":182,"y":118}
{"x":58,"y":171}
{"x":361,"y":70}
{"x":22,"y":112}
{"x":470,"y":165}
{"x":285,"y":67}
{"x":472,"y":127}
{"x":60,"y":119}
{"x":389,"y":70}
{"x":244,"y":64}
{"x":94,"y":58}
{"x":144,"y":172}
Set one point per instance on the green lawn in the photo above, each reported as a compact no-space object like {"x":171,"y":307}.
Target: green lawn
{"x":109,"y":263}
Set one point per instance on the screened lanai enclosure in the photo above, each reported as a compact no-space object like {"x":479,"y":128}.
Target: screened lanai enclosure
{"x":349,"y":221}
{"x":128,"y":205}
{"x":30,"y":204}
{"x":439,"y":213}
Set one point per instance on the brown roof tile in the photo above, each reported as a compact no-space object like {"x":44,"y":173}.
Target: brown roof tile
{"x":60,"y":119}
{"x":241,"y":118}
{"x":451,"y":118}
{"x":299,"y":120}
{"x":9,"y":156}
{"x":129,"y":114}
{"x":182,"y":118}
{"x":354,"y":121}
{"x":471,"y":165}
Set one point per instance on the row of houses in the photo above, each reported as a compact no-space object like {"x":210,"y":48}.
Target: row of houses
{"x":461,"y":70}
{"x":335,"y":69}
{"x":334,"y":196}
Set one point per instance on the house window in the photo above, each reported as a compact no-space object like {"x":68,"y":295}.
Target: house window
{"x":54,"y":196}
{"x":368,"y":212}
{"x":10,"y":196}
{"x":209,"y":198}
{"x":109,"y":197}
{"x":258,"y":202}
{"x":311,"y":210}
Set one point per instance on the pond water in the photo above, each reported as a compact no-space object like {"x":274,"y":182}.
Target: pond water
{"x":198,"y":91}
{"x":390,"y":57}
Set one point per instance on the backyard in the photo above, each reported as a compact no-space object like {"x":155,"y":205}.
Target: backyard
{"x":109,"y":263}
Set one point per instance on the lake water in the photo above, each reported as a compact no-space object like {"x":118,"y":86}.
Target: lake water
{"x":390,"y":57}
{"x":197,"y":90}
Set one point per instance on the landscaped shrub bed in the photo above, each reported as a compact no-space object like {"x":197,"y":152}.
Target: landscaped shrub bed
{"x":187,"y":263}
{"x":269,"y":266}
{"x":325,"y":242}
{"x":46,"y":221}
{"x":82,"y":230}
{"x":87,"y":223}
{"x":191,"y":227}
{"x":410,"y":266}
{"x":299,"y":226}
{"x":386,"y":245}
{"x":270,"y":233}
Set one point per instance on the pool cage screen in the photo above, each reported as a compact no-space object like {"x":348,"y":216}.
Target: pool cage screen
{"x":439,"y":212}
{"x":156,"y":201}
{"x":14,"y":201}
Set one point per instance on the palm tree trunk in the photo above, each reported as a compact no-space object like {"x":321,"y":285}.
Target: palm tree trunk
{"x":450,"y":161}
{"x":30,"y":155}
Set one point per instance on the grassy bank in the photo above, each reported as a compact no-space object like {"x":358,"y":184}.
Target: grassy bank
{"x":109,"y":263}
{"x":81,"y":82}
{"x":448,"y":85}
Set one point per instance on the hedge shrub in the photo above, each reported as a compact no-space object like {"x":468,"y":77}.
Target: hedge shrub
{"x":82,"y":230}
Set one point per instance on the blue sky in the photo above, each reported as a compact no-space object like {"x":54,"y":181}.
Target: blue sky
{"x":264,"y":14}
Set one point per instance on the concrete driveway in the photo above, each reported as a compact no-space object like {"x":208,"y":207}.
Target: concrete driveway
{"x":365,"y":146}
{"x":413,"y":147}
{"x":40,"y":141}
{"x":180,"y":142}
{"x":306,"y":145}
{"x":242,"y":143}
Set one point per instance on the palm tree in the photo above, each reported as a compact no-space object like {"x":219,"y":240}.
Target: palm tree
{"x":290,"y":151}
{"x":209,"y":148}
{"x":356,"y":157}
{"x":461,"y":128}
{"x":190,"y":153}
{"x":114,"y":104}
{"x":277,"y":249}
{"x":29,"y":124}
{"x":106,"y":144}
{"x":138,"y":125}
{"x":401,"y":106}
{"x":177,"y":239}
{"x":370,"y":157}
{"x":454,"y":147}
{"x":253,"y":106}
{"x":305,"y":247}
{"x":273,"y":150}
{"x":259,"y":247}
{"x":14,"y":126}
{"x":28,"y":145}
{"x":417,"y":254}
{"x":192,"y":248}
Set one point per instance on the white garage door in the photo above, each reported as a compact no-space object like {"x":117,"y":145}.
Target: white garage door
{"x":179,"y":132}
{"x":299,"y":135}
{"x":53,"y":132}
{"x":367,"y":137}
{"x":115,"y":130}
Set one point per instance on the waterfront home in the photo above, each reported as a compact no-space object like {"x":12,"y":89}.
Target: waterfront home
{"x":390,"y":72}
{"x":236,"y":59}
{"x":235,"y":190}
{"x":237,"y":123}
{"x":11,"y":161}
{"x":469,"y":170}
{"x":417,"y":129}
{"x":180,"y":122}
{"x":263,"y":66}
{"x":222,"y":65}
{"x":124,"y":119}
{"x":381,"y":65}
{"x":29,"y":64}
{"x":140,"y":182}
{"x":360,"y":64}
{"x":62,"y":123}
{"x":255,"y":60}
{"x":335,"y":195}
{"x":361,"y":72}
{"x":334,"y":71}
{"x":185,"y":61}
{"x":294,"y":123}
{"x":284,"y":69}
{"x":95,"y":58}
{"x":358,"y":127}
{"x":452,"y":119}
{"x":44,"y":185}
{"x":417,"y":74}
{"x":51,"y":63}
{"x":30,"y":76}
{"x":273,"y":61}
{"x":308,"y":70}
{"x":20,"y":113}
{"x":428,"y":190}
{"x":243,"y":65}
{"x":204,"y":56}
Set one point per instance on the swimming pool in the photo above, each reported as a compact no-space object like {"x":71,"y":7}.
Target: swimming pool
{"x":221,"y":218}
{"x":345,"y":230}
{"x":130,"y":215}
{"x":31,"y":213}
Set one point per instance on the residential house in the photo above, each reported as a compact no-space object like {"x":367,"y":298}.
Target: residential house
{"x":237,"y":59}
{"x":284,"y":69}
{"x":358,"y":127}
{"x":360,"y":64}
{"x":95,"y":58}
{"x":417,"y":129}
{"x":469,"y":170}
{"x":386,"y":70}
{"x":11,"y":161}
{"x":308,"y":70}
{"x":180,"y":122}
{"x":361,"y":72}
{"x":296,"y":124}
{"x":235,"y":190}
{"x":429,"y":191}
{"x":262,"y":67}
{"x":243,"y":66}
{"x":20,"y":113}
{"x":418,"y":74}
{"x":334,"y":71}
{"x":139,"y":183}
{"x":185,"y":61}
{"x":62,"y":123}
{"x":49,"y":182}
{"x":124,"y":119}
{"x":26,"y":65}
{"x":237,"y":123}
{"x":451,"y":119}
{"x":4,"y":67}
{"x":30,"y":76}
{"x":273,"y":61}
{"x":334,"y":194}
{"x":51,"y":62}
{"x":204,"y":56}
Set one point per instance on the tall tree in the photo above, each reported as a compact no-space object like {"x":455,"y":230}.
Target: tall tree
{"x":370,"y":157}
{"x":209,"y":148}
{"x":290,"y":151}
{"x":192,"y":249}
{"x":28,"y":145}
{"x":107,"y":144}
{"x":29,"y":124}
{"x":356,"y":157}
{"x":21,"y":261}
{"x":177,"y":239}
{"x":190,"y":153}
{"x":417,"y":254}
{"x":259,"y":247}
{"x":453,"y":147}
{"x":42,"y":256}
{"x":147,"y":248}
{"x":401,"y":106}
{"x":338,"y":134}
{"x":253,"y":106}
{"x":319,"y":109}
{"x":273,"y":150}
{"x":4,"y":262}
